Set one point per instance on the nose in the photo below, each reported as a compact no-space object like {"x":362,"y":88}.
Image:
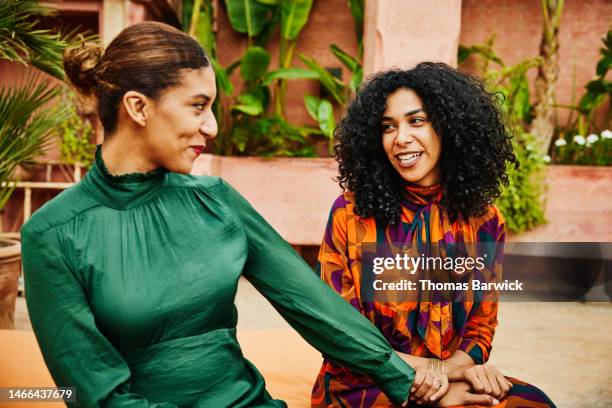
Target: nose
{"x":403,"y":136}
{"x":209,"y":127}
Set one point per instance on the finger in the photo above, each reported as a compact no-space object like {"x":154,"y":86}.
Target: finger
{"x":481,"y":399}
{"x":491,"y":374}
{"x":503,"y":383}
{"x":441,"y":391}
{"x":485,"y":383}
{"x":435,"y":386}
{"x":418,"y":379}
{"x":424,"y":387}
{"x":475,"y":382}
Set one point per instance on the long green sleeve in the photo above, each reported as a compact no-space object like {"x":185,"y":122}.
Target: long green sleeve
{"x":75,"y":351}
{"x":322,"y":317}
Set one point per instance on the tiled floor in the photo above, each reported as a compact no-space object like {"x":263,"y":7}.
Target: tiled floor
{"x":563,"y":348}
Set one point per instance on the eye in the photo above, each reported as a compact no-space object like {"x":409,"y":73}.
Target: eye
{"x":199,"y":106}
{"x":417,"y":120}
{"x":388,"y":127}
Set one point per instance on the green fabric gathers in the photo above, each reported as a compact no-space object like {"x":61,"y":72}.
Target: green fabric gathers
{"x":130,"y":285}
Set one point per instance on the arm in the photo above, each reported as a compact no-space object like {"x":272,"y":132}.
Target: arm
{"x":482,"y":319}
{"x":75,"y":351}
{"x":321,"y":317}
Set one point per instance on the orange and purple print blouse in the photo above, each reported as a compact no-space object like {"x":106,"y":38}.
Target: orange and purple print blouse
{"x":421,"y":328}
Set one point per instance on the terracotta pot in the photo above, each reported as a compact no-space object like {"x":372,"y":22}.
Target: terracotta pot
{"x":10,"y":267}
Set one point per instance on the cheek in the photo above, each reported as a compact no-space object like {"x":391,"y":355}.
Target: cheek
{"x":387,"y":143}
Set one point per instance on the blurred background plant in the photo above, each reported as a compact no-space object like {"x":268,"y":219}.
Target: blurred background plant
{"x":74,"y":131}
{"x":253,"y":122}
{"x":572,"y":145}
{"x":26,"y":126}
{"x":522,"y":201}
{"x":594,"y":149}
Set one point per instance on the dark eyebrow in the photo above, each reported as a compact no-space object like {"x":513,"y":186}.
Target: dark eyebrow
{"x":203,"y":96}
{"x":410,"y":113}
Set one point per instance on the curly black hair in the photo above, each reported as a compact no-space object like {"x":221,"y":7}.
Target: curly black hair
{"x":476,"y":143}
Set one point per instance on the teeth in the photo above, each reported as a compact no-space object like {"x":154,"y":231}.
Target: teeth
{"x":408,"y":156}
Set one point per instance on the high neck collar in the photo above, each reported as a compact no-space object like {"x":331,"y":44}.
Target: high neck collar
{"x":422,"y":196}
{"x":126,"y":190}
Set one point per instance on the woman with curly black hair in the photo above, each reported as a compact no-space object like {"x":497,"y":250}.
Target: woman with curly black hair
{"x":422,"y":155}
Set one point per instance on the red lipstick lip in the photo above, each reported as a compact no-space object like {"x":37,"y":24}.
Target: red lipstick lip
{"x":198,"y":149}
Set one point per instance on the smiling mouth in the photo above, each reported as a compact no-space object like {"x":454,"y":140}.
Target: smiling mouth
{"x":408,"y":159}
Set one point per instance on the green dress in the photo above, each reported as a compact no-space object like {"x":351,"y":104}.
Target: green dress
{"x":130,"y":284}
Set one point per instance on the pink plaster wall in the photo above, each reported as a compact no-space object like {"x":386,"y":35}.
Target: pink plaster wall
{"x":578,"y":207}
{"x":293,"y":195}
{"x":518,"y":27}
{"x":402,"y":33}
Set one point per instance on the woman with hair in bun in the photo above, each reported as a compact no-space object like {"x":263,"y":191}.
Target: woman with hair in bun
{"x":422,"y":155}
{"x":131,"y":274}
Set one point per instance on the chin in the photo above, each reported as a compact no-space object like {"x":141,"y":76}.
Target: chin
{"x":182,"y":168}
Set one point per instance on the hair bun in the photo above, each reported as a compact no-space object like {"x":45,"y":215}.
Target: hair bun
{"x":81,"y":64}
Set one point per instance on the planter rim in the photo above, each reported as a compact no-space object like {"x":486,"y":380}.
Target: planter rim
{"x":266,"y":159}
{"x":10,"y":252}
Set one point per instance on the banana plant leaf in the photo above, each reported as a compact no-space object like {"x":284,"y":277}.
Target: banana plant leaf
{"x":254,"y":63}
{"x":247,"y":16}
{"x":294,"y":16}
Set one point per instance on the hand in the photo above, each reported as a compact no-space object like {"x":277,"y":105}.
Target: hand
{"x":459,"y":394}
{"x":484,"y":379}
{"x":428,"y":385}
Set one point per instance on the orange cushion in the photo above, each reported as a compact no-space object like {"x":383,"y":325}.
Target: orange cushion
{"x":23,"y":366}
{"x":287,"y":362}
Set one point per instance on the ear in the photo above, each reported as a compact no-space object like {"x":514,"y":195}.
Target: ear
{"x":137,"y":106}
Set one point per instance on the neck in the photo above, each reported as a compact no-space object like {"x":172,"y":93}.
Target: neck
{"x":124,"y":154}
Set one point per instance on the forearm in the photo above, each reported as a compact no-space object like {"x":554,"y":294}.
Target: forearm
{"x":414,"y":361}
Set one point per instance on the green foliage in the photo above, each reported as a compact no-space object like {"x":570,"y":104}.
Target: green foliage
{"x":254,"y":63}
{"x":75,"y":132}
{"x":22,"y":40}
{"x":270,"y":137}
{"x":581,"y":120}
{"x":357,"y":8}
{"x":592,"y":150}
{"x":248,"y":16}
{"x":25,"y":125}
{"x":294,"y":16}
{"x":322,"y":111}
{"x":248,"y":123}
{"x":522,"y":201}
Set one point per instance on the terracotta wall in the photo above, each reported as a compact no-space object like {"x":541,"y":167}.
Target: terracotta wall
{"x":518,"y":27}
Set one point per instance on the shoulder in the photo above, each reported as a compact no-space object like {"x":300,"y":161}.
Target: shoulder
{"x":343,"y":203}
{"x":60,"y":210}
{"x":491,"y":225}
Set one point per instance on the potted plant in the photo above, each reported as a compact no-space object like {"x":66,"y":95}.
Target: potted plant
{"x":25,"y":124}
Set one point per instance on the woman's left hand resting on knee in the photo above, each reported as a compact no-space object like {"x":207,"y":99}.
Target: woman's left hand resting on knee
{"x":484,"y":379}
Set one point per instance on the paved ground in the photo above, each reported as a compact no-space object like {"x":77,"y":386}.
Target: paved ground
{"x":563,"y":348}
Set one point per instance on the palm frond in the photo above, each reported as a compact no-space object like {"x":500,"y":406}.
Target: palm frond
{"x":26,"y":125}
{"x":22,"y":40}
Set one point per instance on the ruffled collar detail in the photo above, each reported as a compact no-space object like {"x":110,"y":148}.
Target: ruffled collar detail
{"x":126,"y":190}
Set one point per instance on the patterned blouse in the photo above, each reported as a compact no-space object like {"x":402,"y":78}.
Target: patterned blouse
{"x":420,"y":328}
